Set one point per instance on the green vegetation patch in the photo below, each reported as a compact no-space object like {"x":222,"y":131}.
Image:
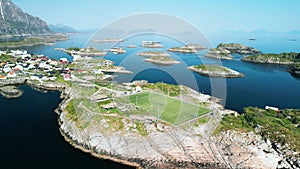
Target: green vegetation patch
{"x":141,"y":129}
{"x":280,"y":127}
{"x":167,"y":89}
{"x":167,"y":108}
{"x":26,"y":41}
{"x":74,"y":49}
{"x":71,"y":112}
{"x":282,"y":57}
{"x":212,"y":68}
{"x":7,"y":58}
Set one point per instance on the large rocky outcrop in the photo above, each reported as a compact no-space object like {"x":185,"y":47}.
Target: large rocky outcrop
{"x":13,"y":21}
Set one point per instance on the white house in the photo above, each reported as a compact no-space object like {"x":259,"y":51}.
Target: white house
{"x":2,"y":77}
{"x":34,"y":78}
{"x":138,"y":88}
{"x":44,"y":78}
{"x":63,"y":61}
{"x":271,"y":108}
{"x":11,"y":74}
{"x":7,"y":69}
{"x":19,"y":67}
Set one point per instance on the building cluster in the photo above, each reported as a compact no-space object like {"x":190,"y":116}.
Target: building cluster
{"x":33,"y":67}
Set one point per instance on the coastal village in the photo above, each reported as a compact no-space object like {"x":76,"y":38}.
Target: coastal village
{"x":17,"y":63}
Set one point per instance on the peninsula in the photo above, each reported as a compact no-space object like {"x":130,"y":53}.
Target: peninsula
{"x":215,"y":71}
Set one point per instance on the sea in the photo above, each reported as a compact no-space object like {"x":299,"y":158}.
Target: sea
{"x":30,"y":135}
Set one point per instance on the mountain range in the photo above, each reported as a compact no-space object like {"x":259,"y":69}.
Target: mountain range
{"x":13,"y":21}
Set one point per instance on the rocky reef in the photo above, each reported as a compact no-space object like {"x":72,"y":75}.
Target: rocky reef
{"x":294,"y":70}
{"x":10,"y":91}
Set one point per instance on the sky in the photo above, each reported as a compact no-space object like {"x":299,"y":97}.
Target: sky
{"x":207,"y":15}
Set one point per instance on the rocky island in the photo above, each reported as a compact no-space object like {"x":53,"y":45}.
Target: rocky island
{"x":189,"y":48}
{"x":219,"y":53}
{"x":280,"y":59}
{"x":153,"y":53}
{"x":162,"y":60}
{"x":224,"y":51}
{"x":236,"y":48}
{"x":159,"y":58}
{"x":88,"y":51}
{"x":215,"y":71}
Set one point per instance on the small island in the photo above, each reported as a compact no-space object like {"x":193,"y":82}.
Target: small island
{"x":215,"y":71}
{"x":158,"y":57}
{"x":189,"y":48}
{"x":88,"y":51}
{"x":162,"y":60}
{"x":236,"y":48}
{"x":280,"y":59}
{"x":152,"y":53}
{"x":117,"y":50}
{"x":151,"y":44}
{"x":219,"y":53}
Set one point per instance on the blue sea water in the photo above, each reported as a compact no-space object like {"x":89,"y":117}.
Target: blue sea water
{"x":31,"y":137}
{"x":262,"y":85}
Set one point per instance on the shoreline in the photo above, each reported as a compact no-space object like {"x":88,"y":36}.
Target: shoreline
{"x":29,"y":45}
{"x":173,"y":160}
{"x":48,"y":40}
{"x":232,"y":74}
{"x":174,"y":62}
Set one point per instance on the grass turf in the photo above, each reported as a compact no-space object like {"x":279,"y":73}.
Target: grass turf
{"x":167,"y":108}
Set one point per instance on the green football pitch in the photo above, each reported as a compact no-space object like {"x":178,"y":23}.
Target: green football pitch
{"x":169,"y":109}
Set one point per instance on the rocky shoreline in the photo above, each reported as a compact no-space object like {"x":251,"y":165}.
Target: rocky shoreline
{"x":162,"y":62}
{"x":230,"y":149}
{"x":219,"y":53}
{"x":225,"y":73}
{"x":11,"y":92}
